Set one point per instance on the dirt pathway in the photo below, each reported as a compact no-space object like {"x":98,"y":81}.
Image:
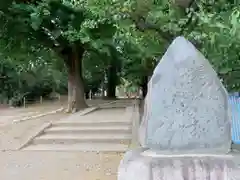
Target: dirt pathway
{"x":12,"y":136}
{"x":50,"y":165}
{"x":8,"y":115}
{"x":58,"y":166}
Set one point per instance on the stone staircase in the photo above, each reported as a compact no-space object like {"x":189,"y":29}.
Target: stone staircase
{"x":102,"y":130}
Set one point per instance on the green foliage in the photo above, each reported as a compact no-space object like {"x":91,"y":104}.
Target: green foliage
{"x":31,"y":78}
{"x":130,"y":35}
{"x":96,"y":67}
{"x":212,"y":27}
{"x":58,"y":25}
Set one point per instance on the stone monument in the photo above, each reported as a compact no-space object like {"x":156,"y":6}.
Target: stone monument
{"x":186,"y":131}
{"x":187,"y":105}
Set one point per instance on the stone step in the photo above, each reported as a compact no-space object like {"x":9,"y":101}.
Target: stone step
{"x":82,"y":138}
{"x":90,"y":122}
{"x":105,"y":147}
{"x":124,"y":129}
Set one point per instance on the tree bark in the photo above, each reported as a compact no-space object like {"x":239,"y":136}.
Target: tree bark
{"x":112,"y":81}
{"x":144,"y":86}
{"x":73,"y":61}
{"x":87,"y":95}
{"x":103,"y":90}
{"x":70,"y":91}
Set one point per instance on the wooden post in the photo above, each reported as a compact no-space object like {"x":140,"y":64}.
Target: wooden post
{"x":59,"y":99}
{"x":10,"y":103}
{"x":41,"y":100}
{"x":24,"y":102}
{"x":90,"y":95}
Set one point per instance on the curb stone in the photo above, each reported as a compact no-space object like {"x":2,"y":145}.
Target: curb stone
{"x":36,"y":133}
{"x":37,"y":116}
{"x":93,"y":108}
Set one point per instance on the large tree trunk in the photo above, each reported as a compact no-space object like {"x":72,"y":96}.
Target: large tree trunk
{"x":76,"y":99}
{"x":112,"y":81}
{"x":70,"y":92}
{"x":102,"y":90}
{"x":87,"y":95}
{"x":144,"y":86}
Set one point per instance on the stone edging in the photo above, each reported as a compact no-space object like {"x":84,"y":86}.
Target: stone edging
{"x":37,"y":116}
{"x":135,"y":118}
{"x":87,"y":111}
{"x":47,"y":125}
{"x":93,"y":108}
{"x":107,"y":103}
{"x":35,"y":134}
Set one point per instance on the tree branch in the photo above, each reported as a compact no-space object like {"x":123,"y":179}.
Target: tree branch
{"x":143,"y":25}
{"x":195,"y":7}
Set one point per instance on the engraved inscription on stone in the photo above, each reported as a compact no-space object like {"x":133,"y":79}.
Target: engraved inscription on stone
{"x":186,"y":106}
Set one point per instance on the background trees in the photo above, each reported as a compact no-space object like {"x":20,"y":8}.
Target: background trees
{"x":93,"y":44}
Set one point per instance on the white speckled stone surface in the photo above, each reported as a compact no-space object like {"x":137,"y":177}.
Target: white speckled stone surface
{"x":186,"y":106}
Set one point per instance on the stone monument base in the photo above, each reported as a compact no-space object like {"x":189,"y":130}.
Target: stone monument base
{"x":144,"y":164}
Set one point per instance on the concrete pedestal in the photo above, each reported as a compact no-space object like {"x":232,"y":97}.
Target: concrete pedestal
{"x":143,"y":164}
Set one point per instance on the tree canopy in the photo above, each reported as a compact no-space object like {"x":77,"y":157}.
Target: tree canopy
{"x":85,"y":45}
